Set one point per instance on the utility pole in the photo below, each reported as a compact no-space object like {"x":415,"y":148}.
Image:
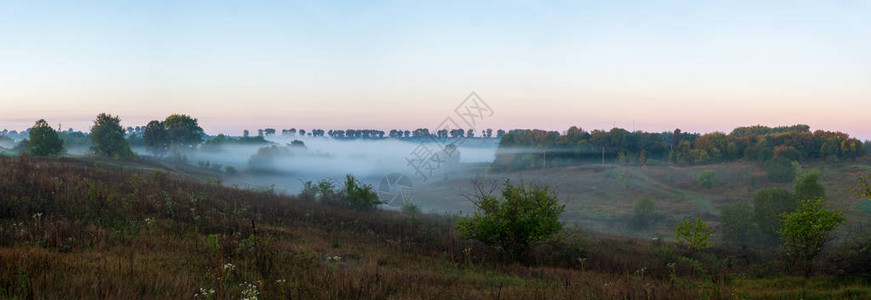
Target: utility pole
{"x":545,"y":158}
{"x":603,"y":155}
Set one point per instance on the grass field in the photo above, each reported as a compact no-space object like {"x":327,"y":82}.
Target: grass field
{"x":84,"y":228}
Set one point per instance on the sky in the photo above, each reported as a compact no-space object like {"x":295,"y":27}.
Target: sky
{"x":641,"y":65}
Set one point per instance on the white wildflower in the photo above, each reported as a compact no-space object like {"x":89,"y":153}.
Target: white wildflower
{"x":229,"y":267}
{"x":249,"y":291}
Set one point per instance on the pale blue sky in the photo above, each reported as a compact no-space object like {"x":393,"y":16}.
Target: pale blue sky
{"x":696,"y":65}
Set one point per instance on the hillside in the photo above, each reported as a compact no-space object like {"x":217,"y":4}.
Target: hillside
{"x":138,"y":230}
{"x":600,"y":197}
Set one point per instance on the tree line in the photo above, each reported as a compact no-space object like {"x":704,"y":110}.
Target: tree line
{"x":108,"y":138}
{"x":541,"y":148}
{"x":380,"y":134}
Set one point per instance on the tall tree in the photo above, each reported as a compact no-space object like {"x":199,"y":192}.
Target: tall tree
{"x":183,"y":131}
{"x":156,"y":138}
{"x":107,"y":137}
{"x":44,"y":140}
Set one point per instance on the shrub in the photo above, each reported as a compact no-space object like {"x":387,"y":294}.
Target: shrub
{"x":230,"y":170}
{"x":780,"y":170}
{"x":325,"y":190}
{"x":707,"y":178}
{"x":768,"y":205}
{"x":511,"y":224}
{"x":642,"y":212}
{"x":806,"y":230}
{"x":736,"y":224}
{"x":854,"y":255}
{"x":360,"y":195}
{"x":697,"y":235}
{"x":863,"y":189}
{"x":309,"y":191}
{"x":808,"y":187}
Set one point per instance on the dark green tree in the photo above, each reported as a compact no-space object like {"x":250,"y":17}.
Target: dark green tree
{"x":44,"y":141}
{"x":183,"y":131}
{"x":156,"y":138}
{"x":513,"y":223}
{"x":107,"y":138}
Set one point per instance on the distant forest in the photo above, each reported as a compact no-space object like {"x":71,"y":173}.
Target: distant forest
{"x":524,"y":149}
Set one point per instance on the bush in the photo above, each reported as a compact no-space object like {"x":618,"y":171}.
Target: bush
{"x":325,"y":191}
{"x":768,"y":205}
{"x":697,"y":235}
{"x":808,"y":187}
{"x":736,"y":224}
{"x":780,"y":170}
{"x":707,"y":178}
{"x":511,"y":224}
{"x":864,"y":186}
{"x":360,"y":195}
{"x":854,"y":255}
{"x":230,"y":170}
{"x":309,"y":191}
{"x":806,"y":231}
{"x":642,"y":212}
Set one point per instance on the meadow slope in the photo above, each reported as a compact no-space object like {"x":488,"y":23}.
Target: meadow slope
{"x":88,"y":228}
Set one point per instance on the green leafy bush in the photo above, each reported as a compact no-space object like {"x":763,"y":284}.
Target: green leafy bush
{"x":707,"y":178}
{"x":808,"y":187}
{"x":768,"y":205}
{"x":696,"y":235}
{"x":642,"y":212}
{"x":736,"y":224}
{"x":780,"y":170}
{"x":360,"y":195}
{"x":863,"y":189}
{"x":511,"y":224}
{"x":806,"y":230}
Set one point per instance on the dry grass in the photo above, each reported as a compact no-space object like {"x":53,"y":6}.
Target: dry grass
{"x":69,"y":229}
